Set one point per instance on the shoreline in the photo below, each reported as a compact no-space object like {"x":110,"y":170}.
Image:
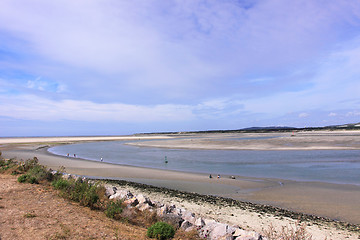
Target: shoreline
{"x":302,"y":197}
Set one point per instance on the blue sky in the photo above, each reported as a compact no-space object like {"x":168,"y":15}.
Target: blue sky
{"x":120,"y":67}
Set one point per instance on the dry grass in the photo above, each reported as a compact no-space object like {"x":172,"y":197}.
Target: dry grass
{"x":37,"y":212}
{"x":31,"y":211}
{"x":297,"y":232}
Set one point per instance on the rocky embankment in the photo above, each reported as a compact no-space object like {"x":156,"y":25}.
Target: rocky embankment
{"x":208,"y":223}
{"x":207,"y":228}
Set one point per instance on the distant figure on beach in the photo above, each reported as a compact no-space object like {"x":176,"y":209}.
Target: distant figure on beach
{"x":101,"y":159}
{"x":218,"y":176}
{"x":68,"y":154}
{"x":166,"y":161}
{"x":74,"y":155}
{"x":210,"y":176}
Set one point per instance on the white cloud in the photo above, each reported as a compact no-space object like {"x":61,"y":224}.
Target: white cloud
{"x":303,"y":115}
{"x":353,"y":113}
{"x":178,"y":60}
{"x":31,"y":107}
{"x":332,"y":114}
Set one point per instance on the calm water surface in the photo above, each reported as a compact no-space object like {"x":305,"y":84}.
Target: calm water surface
{"x":335,"y":166}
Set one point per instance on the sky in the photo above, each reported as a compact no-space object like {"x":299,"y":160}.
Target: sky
{"x":113,"y":67}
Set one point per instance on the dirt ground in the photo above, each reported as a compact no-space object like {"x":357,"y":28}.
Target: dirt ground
{"x":30,"y":211}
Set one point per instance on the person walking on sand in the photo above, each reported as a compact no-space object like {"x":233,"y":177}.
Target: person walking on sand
{"x":101,"y":159}
{"x":218,"y":176}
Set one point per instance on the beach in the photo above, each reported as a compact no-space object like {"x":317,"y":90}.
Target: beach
{"x":332,"y":201}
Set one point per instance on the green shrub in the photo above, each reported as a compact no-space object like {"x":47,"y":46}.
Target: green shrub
{"x":39,"y":172}
{"x":78,"y":191}
{"x":161,"y":231}
{"x":60,"y":184}
{"x":30,"y":163}
{"x":27,"y":178}
{"x":114,"y":209}
{"x":23,"y":178}
{"x":33,"y":180}
{"x":90,"y":197}
{"x":7,"y":164}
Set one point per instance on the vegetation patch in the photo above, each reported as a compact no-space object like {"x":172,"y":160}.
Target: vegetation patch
{"x":161,"y":231}
{"x":80,"y":191}
{"x":114,"y":209}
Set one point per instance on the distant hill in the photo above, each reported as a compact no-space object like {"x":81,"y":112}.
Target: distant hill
{"x":349,"y":126}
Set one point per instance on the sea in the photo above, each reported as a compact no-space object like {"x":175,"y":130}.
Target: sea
{"x":329,"y":166}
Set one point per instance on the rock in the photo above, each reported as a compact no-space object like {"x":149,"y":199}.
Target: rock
{"x":207,"y":228}
{"x":227,"y":237}
{"x":172,"y":219}
{"x":241,"y":234}
{"x":199,"y":222}
{"x":186,"y":224}
{"x":246,"y":238}
{"x":110,"y":190}
{"x":179,"y":211}
{"x":143,"y":206}
{"x":189,"y":216}
{"x":161,"y":211}
{"x":132,"y":201}
{"x":129,"y":195}
{"x":119,"y":195}
{"x":66,"y":176}
{"x":166,"y":209}
{"x":142,"y":199}
{"x":221,"y":231}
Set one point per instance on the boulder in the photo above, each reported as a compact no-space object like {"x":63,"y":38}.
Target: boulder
{"x":131,"y":202}
{"x":143,"y":206}
{"x":187,"y":225}
{"x":199,"y":222}
{"x":118,"y":195}
{"x":219,"y":230}
{"x":172,"y":219}
{"x":66,"y":176}
{"x":189,"y":216}
{"x":179,"y":211}
{"x":142,"y":199}
{"x":165,"y":209}
{"x":240,"y":234}
{"x":110,"y":190}
{"x":246,"y":238}
{"x":129,"y":195}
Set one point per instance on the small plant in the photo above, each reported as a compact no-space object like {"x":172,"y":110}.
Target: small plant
{"x":29,"y":215}
{"x":114,"y":209}
{"x":7,"y":164}
{"x":30,"y":163}
{"x":161,"y":231}
{"x":60,"y":184}
{"x":23,"y":178}
{"x":288,"y":233}
{"x":33,"y":180}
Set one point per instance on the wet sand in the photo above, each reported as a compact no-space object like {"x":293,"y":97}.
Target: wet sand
{"x":334,"y":201}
